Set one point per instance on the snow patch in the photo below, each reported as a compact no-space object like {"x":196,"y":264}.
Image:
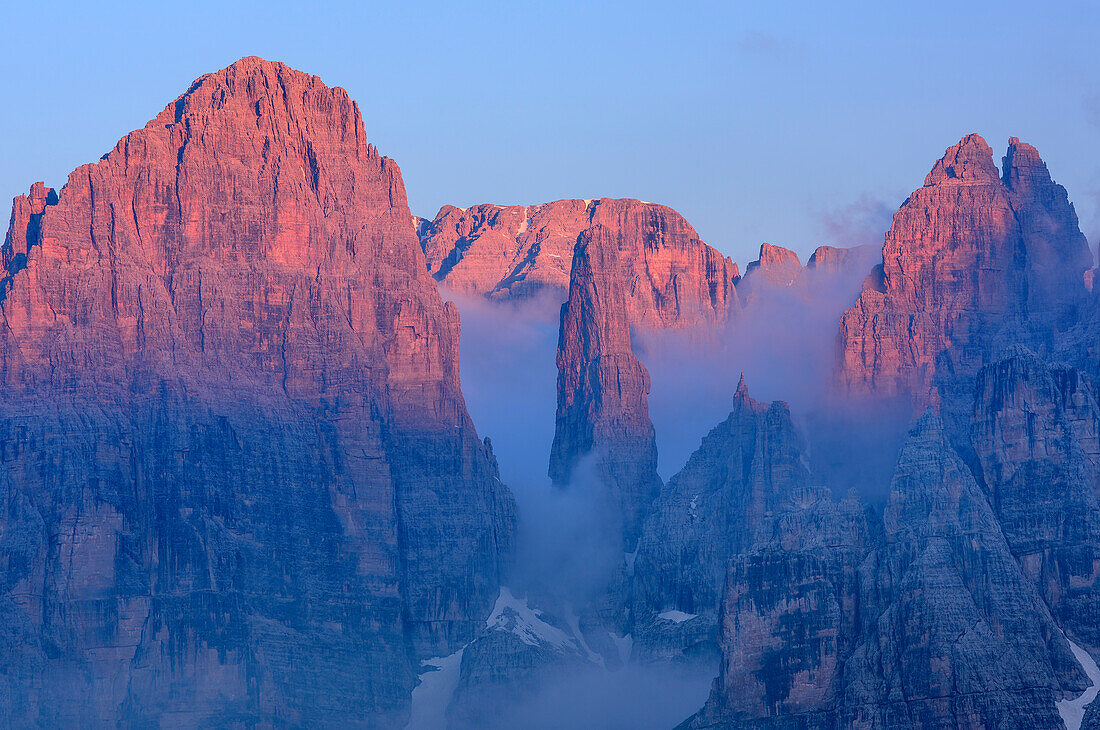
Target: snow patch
{"x":523,"y":226}
{"x":431,"y":697}
{"x":513,"y":615}
{"x":1073,"y":711}
{"x":676,"y":617}
{"x":693,"y":505}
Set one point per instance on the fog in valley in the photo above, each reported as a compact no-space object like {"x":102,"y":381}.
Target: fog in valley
{"x":782,"y":341}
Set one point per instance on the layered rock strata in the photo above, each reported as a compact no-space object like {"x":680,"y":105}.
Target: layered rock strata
{"x":671,"y":278}
{"x":240,"y":482}
{"x":973,"y":262}
{"x":937,"y":627}
{"x":1036,"y":435}
{"x":603,"y":412}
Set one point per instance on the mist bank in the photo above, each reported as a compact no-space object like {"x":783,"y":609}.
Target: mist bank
{"x":782,"y":340}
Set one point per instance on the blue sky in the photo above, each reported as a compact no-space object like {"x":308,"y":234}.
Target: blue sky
{"x":794,"y":123}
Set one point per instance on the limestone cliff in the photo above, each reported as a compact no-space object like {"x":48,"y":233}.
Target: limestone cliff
{"x":671,"y":278}
{"x":603,"y":412}
{"x":240,"y":482}
{"x":1035,"y":432}
{"x":973,"y":262}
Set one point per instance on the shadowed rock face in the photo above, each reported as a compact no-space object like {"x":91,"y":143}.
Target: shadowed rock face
{"x":671,"y":278}
{"x":1035,"y":434}
{"x":719,"y":505}
{"x":936,"y":626}
{"x":740,"y":531}
{"x":791,"y":606}
{"x":973,"y":261}
{"x":240,"y":483}
{"x":956,"y":635}
{"x":603,"y":411}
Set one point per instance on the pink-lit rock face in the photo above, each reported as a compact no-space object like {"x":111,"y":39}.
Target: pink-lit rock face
{"x":835,"y":260}
{"x":777,"y":266}
{"x":603,"y":389}
{"x":777,"y":282}
{"x":241,"y":484}
{"x":672,"y":278}
{"x":972,"y":262}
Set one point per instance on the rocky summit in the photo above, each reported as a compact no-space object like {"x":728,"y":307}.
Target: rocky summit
{"x":240,"y":483}
{"x":672,"y":279}
{"x":974,"y":261}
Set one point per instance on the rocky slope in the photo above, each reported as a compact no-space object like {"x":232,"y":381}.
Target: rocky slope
{"x":240,"y":482}
{"x":974,"y":261}
{"x":671,"y":278}
{"x":936,"y":626}
{"x":719,"y":505}
{"x":603,"y":438}
{"x":957,"y":636}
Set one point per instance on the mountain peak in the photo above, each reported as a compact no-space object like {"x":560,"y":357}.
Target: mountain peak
{"x":742,"y":389}
{"x":779,"y":266}
{"x":971,"y":160}
{"x":1023,"y":167}
{"x":257,"y":66}
{"x":771,"y":254}
{"x":254,"y":88}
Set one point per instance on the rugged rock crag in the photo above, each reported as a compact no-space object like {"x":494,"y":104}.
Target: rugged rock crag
{"x":973,"y":261}
{"x":775,"y":267}
{"x":830,"y":268}
{"x":789,"y":615}
{"x":505,"y":251}
{"x":671,"y":278}
{"x":835,"y":259}
{"x":603,"y":411}
{"x":240,"y":482}
{"x":722,"y":504}
{"x":957,"y":636}
{"x":776,"y":284}
{"x":937,"y":627}
{"x":1036,"y":435}
{"x":23,"y":230}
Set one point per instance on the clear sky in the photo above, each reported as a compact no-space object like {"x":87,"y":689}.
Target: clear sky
{"x":793,"y":123}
